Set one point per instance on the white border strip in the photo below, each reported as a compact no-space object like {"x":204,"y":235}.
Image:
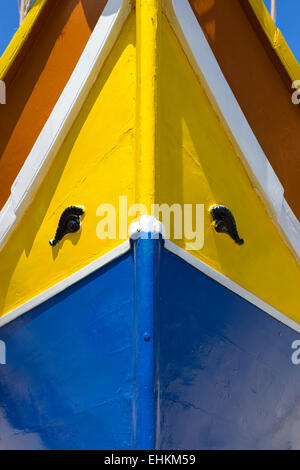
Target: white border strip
{"x":69,"y":281}
{"x":64,"y":113}
{"x":232,"y":286}
{"x":248,"y":148}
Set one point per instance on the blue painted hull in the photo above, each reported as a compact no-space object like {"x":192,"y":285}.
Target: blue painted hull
{"x":68,"y":379}
{"x":227,"y":380}
{"x":148,"y":352}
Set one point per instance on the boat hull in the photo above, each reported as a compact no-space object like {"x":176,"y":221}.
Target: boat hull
{"x":148,"y":352}
{"x":67,"y":382}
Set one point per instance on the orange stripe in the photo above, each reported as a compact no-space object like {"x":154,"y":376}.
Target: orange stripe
{"x":37,"y":77}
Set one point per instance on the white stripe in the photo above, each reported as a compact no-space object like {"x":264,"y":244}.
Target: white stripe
{"x":226,"y":282}
{"x":64,"y":113}
{"x":84,"y":272}
{"x":247,"y":146}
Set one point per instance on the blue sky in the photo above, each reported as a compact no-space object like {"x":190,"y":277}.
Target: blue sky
{"x":9,"y":21}
{"x":288,"y":20}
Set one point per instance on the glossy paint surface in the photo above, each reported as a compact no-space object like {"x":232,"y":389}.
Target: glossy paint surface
{"x":148,"y":352}
{"x":68,"y":379}
{"x":226,"y":378}
{"x":148,"y":22}
{"x":146,"y":267}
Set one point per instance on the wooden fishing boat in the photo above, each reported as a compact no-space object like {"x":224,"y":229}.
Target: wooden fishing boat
{"x":140,"y":340}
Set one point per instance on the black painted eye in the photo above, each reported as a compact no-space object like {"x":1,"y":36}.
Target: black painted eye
{"x":220,"y":227}
{"x":224,"y":222}
{"x":73,"y":226}
{"x":69,"y":222}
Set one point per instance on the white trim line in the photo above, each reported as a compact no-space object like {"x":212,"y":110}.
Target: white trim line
{"x":263,"y":177}
{"x":69,"y":281}
{"x":64,"y":113}
{"x":232,"y":286}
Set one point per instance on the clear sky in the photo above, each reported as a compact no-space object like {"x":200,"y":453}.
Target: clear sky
{"x":288,"y":21}
{"x":9,"y":21}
